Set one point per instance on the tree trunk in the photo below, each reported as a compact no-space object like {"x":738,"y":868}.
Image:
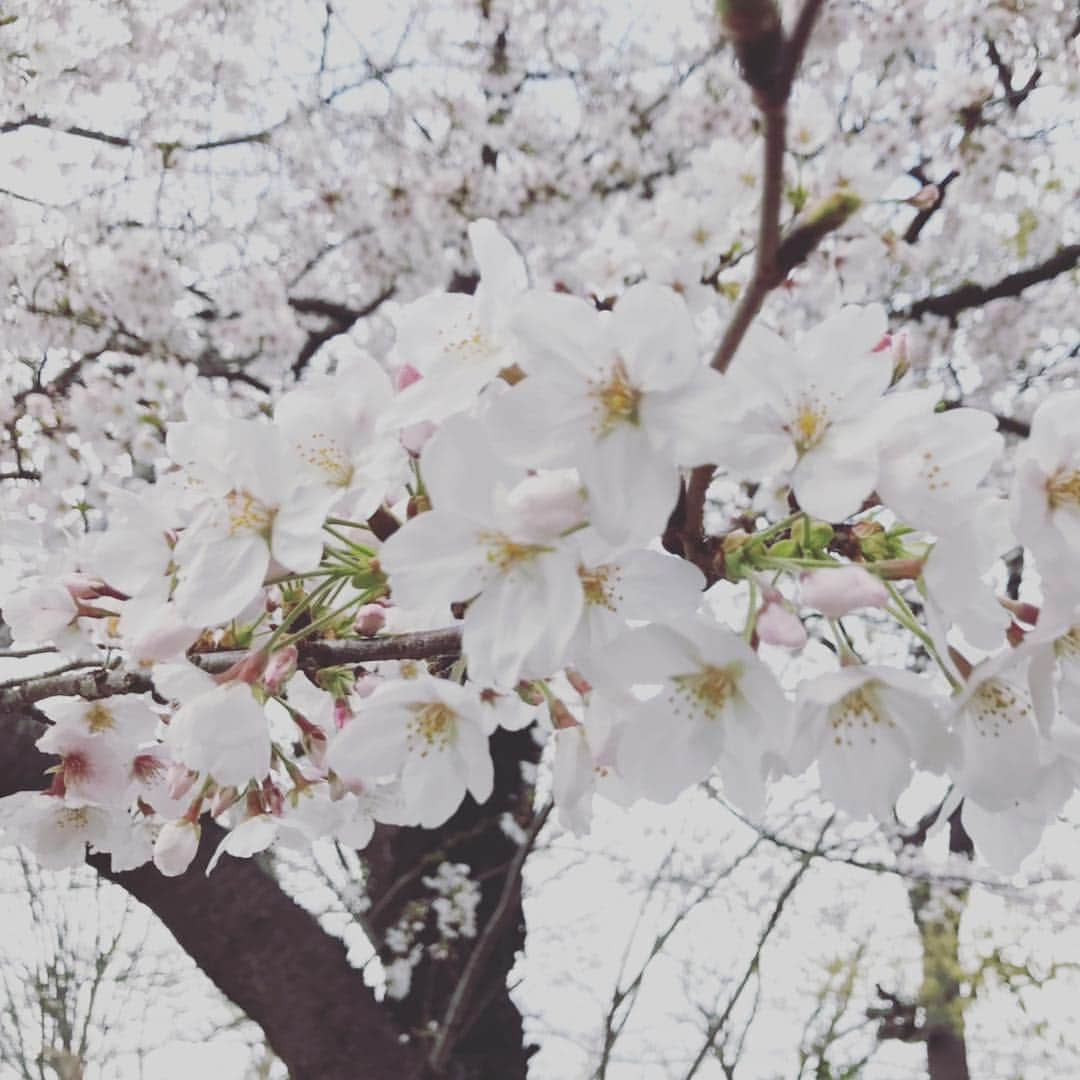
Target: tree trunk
{"x":272,"y":959}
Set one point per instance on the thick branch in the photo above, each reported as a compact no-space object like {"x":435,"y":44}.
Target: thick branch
{"x":950,"y":304}
{"x":263,"y":951}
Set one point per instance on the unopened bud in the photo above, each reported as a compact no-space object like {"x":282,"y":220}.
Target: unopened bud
{"x":342,"y":713}
{"x":835,"y":592}
{"x":280,"y":668}
{"x":777,"y":625}
{"x":370,"y":619}
{"x":176,"y":846}
{"x":248,"y":670}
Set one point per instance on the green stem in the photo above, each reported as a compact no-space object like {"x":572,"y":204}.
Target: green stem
{"x":751,"y":614}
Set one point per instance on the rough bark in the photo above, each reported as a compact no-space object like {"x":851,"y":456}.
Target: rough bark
{"x":273,"y":960}
{"x":488,"y":1040}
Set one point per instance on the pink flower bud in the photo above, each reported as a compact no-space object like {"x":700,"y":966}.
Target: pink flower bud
{"x":835,"y":592}
{"x":370,"y":619}
{"x":778,"y":625}
{"x":342,"y":713}
{"x":280,"y":668}
{"x":248,"y":670}
{"x":176,"y":846}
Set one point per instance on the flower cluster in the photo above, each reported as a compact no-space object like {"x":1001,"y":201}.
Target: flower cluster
{"x":513,"y":481}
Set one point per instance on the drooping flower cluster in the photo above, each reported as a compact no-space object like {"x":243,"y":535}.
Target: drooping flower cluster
{"x":515,"y":486}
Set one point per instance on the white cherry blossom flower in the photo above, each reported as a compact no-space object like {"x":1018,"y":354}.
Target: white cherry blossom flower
{"x":1046,"y":490}
{"x":867,"y":726}
{"x":481,"y":540}
{"x":258,"y":508}
{"x":816,"y":411}
{"x":427,"y":731}
{"x":329,"y":427}
{"x":999,"y":753}
{"x":625,"y":398}
{"x":223,"y":734}
{"x":717,"y":705}
{"x":933,"y":464}
{"x":458,"y":343}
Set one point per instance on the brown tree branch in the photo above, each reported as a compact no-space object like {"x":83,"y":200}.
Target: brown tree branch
{"x":102,"y":682}
{"x":949,"y":305}
{"x":261,"y":949}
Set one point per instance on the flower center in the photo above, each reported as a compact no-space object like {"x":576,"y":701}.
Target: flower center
{"x":996,"y":705}
{"x":598,"y":585}
{"x":432,"y":728}
{"x":99,"y":719}
{"x":470,"y":343}
{"x":73,"y":817}
{"x":1067,"y":647}
{"x":504,"y":553}
{"x":708,"y":691}
{"x":248,"y":514}
{"x":617,"y":398}
{"x":1063,"y":489}
{"x":326,"y":454}
{"x":809,"y":426}
{"x":856,"y":711}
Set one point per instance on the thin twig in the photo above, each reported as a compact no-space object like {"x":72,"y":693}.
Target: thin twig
{"x":106,"y":682}
{"x":444,"y":1043}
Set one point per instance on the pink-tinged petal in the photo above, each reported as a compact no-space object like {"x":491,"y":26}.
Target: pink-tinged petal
{"x":561,"y":337}
{"x":537,"y":424}
{"x":433,"y":788}
{"x":462,"y":469}
{"x":222,"y":578}
{"x":632,"y":489}
{"x":836,"y":592}
{"x":436,"y":558}
{"x":654,"y":335}
{"x":690,"y":423}
{"x":833,"y":487}
{"x":777,"y":625}
{"x":502,"y":269}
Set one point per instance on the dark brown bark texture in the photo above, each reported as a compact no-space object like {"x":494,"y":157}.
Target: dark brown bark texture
{"x":272,"y":959}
